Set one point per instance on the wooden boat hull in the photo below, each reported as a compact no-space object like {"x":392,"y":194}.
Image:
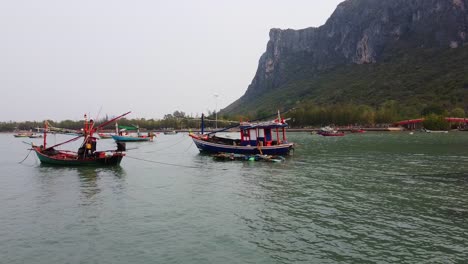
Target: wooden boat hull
{"x":130,"y":139}
{"x":210,"y":147}
{"x":436,"y":131}
{"x":104,"y":136}
{"x":69,"y":159}
{"x":21,"y":135}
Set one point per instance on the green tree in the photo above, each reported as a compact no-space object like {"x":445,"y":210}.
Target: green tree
{"x":387,"y":113}
{"x":457,"y":112}
{"x":435,"y":122}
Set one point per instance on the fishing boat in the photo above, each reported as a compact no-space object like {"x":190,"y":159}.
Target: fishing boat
{"x":125,"y":134}
{"x":265,"y":138}
{"x":330,"y":132}
{"x":357,"y":130}
{"x":34,"y":135}
{"x":22,"y":134}
{"x":436,"y":131}
{"x":105,"y":135}
{"x":86,"y":154}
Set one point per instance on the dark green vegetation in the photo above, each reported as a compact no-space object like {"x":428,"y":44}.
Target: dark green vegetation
{"x":402,"y":86}
{"x":308,"y":115}
{"x":176,"y":120}
{"x":390,"y":58}
{"x":435,"y":122}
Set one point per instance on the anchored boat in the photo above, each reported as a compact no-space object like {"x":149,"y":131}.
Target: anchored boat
{"x":86,"y":154}
{"x":330,"y":132}
{"x":123,"y":134}
{"x":105,"y":135}
{"x":265,"y":138}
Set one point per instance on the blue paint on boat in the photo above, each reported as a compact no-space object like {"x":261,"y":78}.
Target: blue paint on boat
{"x":265,"y":138}
{"x":130,"y":138}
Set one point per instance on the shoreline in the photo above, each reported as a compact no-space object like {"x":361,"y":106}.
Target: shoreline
{"x":289,"y":130}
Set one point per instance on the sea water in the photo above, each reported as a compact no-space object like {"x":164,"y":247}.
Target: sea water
{"x":362,"y":198}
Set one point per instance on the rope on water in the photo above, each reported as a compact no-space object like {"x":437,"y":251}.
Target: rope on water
{"x":165,"y":163}
{"x":168,"y":147}
{"x":189,"y":146}
{"x":26,"y":156}
{"x":141,"y":146}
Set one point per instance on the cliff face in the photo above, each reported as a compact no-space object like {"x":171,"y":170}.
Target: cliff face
{"x":358,"y":32}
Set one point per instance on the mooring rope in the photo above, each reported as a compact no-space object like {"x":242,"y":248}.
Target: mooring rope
{"x":164,"y":163}
{"x":26,"y":156}
{"x":167,"y":147}
{"x":191,"y":143}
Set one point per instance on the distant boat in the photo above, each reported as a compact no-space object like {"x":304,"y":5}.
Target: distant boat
{"x":357,"y":130}
{"x":170,"y":132}
{"x":105,"y":135}
{"x":435,"y":131}
{"x":86,"y":154}
{"x":330,"y":132}
{"x":22,"y":134}
{"x":35,"y":135}
{"x":265,"y":138}
{"x":124,"y":136}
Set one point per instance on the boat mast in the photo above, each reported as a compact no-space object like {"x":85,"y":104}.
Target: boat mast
{"x":45,"y":133}
{"x":202,"y":123}
{"x":86,"y":125}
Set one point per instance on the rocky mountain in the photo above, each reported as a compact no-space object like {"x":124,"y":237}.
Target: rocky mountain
{"x":363,"y":37}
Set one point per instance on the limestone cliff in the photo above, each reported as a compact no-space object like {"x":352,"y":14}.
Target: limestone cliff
{"x":358,"y":32}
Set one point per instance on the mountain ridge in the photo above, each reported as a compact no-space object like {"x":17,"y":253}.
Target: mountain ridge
{"x":359,"y":32}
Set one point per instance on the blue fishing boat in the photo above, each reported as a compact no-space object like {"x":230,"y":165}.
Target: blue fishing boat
{"x":123,"y":134}
{"x":131,"y":138}
{"x":264,"y":138}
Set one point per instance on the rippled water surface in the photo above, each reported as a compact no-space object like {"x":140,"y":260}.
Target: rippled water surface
{"x":362,"y":198}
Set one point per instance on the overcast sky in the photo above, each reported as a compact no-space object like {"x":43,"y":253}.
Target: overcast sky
{"x":60,"y":59}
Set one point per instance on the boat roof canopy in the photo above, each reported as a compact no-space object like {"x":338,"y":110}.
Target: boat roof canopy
{"x":128,"y":127}
{"x":269,"y":124}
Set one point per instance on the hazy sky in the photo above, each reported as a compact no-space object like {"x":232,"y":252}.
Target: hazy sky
{"x":60,"y":59}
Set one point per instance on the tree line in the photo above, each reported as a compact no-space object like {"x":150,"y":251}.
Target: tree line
{"x":308,"y":115}
{"x":178,"y":120}
{"x":388,"y":113}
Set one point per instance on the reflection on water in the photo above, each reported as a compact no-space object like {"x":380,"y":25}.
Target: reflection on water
{"x":88,"y":181}
{"x":359,"y":199}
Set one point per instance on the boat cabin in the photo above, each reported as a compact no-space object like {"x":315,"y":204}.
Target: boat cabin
{"x":263,"y":134}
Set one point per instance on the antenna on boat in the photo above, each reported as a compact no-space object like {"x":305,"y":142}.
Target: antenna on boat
{"x":95,"y":120}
